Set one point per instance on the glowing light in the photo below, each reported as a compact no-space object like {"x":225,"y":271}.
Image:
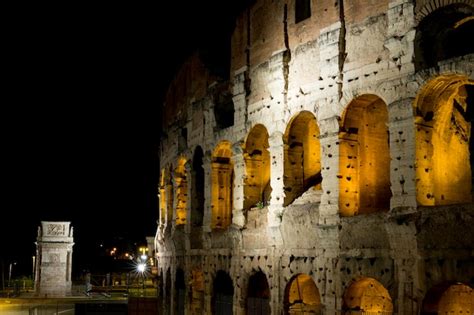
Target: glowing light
{"x":141,"y":268}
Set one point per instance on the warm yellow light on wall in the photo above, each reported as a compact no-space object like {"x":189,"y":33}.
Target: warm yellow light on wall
{"x":222,"y":180}
{"x":302,"y":296}
{"x":368,"y":295}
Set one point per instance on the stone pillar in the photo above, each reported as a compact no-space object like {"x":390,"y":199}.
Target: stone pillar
{"x":238,"y":216}
{"x":275,"y":208}
{"x":54,"y":264}
{"x":402,"y":153}
{"x":207,"y":166}
{"x":329,"y":218}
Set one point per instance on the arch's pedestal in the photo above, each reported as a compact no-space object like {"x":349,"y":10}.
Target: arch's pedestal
{"x":54,"y":259}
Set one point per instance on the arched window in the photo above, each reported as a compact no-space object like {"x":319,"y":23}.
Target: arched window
{"x":197,"y":201}
{"x":257,"y":165}
{"x":302,"y":156}
{"x":443,"y":137}
{"x":302,"y":296}
{"x":444,"y":34}
{"x":181,"y":191}
{"x":222,"y":184}
{"x":367,"y":296}
{"x":364,"y":162}
{"x":449,"y":298}
{"x":180,"y":292}
{"x":223,"y":294}
{"x":258,"y":294}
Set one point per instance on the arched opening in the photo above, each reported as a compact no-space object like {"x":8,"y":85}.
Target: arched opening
{"x":163,"y":196}
{"x":364,"y":162}
{"x":302,"y":156}
{"x":223,"y":294}
{"x":222,"y":185}
{"x":302,"y":296}
{"x":197,"y":201}
{"x":258,"y":295}
{"x":444,"y":110}
{"x":180,"y":291}
{"x":168,"y":298}
{"x":197,"y":292}
{"x":449,"y":298}
{"x":444,"y":34}
{"x":367,"y":295}
{"x":257,"y":188}
{"x":181,"y":191}
{"x":166,"y":196}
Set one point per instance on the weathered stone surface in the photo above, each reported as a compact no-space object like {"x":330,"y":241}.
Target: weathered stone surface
{"x":369,"y":182}
{"x":53,"y":259}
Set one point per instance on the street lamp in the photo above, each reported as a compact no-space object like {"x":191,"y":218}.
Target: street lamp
{"x":141,"y":268}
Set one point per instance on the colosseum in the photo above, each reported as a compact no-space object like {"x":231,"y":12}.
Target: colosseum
{"x":330,"y":172}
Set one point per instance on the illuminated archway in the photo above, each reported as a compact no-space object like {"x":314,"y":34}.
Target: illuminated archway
{"x":222,"y":185}
{"x":197,"y":201}
{"x":181,"y":191}
{"x":364,"y":162}
{"x":163,"y":196}
{"x":166,"y":196}
{"x":258,"y":294}
{"x":180,"y":291}
{"x":449,"y":298}
{"x":443,"y":136}
{"x":367,"y":295}
{"x":302,"y":156}
{"x":257,"y":165}
{"x":223,"y":294}
{"x":302,"y":296}
{"x":444,"y":34}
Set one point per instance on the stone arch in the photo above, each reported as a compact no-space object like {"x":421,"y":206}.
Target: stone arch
{"x":302,"y":156}
{"x":163,"y":196}
{"x":222,"y":174}
{"x":180,"y":178}
{"x":449,"y":298}
{"x":302,"y":296}
{"x":197,"y":197}
{"x":257,"y":188}
{"x":223,"y":294}
{"x":444,"y":33}
{"x":180,"y":292}
{"x":367,"y":295}
{"x":166,"y":196}
{"x":364,"y":162}
{"x":167,"y":304}
{"x":258,"y":294}
{"x":444,"y":111}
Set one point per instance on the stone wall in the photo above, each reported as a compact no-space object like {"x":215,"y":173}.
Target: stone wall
{"x":349,"y":67}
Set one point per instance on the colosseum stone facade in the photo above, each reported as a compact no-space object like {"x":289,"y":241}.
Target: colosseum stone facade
{"x":331,"y":172}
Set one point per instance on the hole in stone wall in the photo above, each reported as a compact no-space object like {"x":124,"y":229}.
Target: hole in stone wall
{"x":197,"y":199}
{"x":302,"y":296}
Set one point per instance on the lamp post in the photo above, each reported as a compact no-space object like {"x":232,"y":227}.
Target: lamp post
{"x":141,"y":268}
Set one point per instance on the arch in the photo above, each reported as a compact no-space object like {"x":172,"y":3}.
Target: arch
{"x":302,"y":296}
{"x":367,"y":295}
{"x":163,"y":196}
{"x":168,"y":298}
{"x":257,"y":188}
{"x":180,"y":291}
{"x":364,"y":162}
{"x":181,"y":182}
{"x":444,"y":34}
{"x":166,"y":196}
{"x":302,"y":160}
{"x":223,"y":294}
{"x":449,"y":298}
{"x":197,"y":198}
{"x":222,"y":173}
{"x":258,"y":294}
{"x":444,"y":108}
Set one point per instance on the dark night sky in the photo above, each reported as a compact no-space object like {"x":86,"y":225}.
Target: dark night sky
{"x":80,"y":114}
